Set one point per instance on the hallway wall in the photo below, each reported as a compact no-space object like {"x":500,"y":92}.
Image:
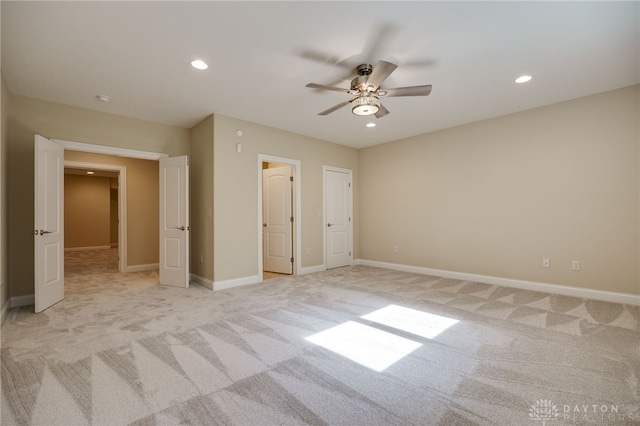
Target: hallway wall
{"x":87,"y":211}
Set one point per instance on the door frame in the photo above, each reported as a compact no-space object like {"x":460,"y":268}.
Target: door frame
{"x":297,"y":210}
{"x":349,"y":172}
{"x":117,"y":152}
{"x":281,"y":264}
{"x":122,"y":203}
{"x":110,"y":150}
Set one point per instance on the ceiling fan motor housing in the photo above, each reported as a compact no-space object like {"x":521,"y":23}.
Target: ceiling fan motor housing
{"x":364,"y":69}
{"x":358,"y":84}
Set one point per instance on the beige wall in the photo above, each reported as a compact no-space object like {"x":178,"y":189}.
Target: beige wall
{"x":236,"y":191}
{"x":86,"y":211}
{"x":143,"y":199}
{"x":201,"y":196}
{"x":4,"y":108}
{"x":497,"y":196}
{"x":490,"y":198}
{"x":27,"y":117}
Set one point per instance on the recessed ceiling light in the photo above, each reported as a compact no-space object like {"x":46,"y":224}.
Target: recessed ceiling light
{"x":103,"y":98}
{"x":523,"y":79}
{"x":371,"y":124}
{"x":199,"y":64}
{"x":90,"y":173}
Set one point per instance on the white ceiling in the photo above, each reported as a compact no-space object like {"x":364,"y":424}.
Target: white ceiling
{"x":261,"y":55}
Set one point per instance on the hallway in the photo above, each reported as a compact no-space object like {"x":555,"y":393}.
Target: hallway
{"x":92,"y":271}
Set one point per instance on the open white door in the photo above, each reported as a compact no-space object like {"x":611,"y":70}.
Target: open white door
{"x":338,"y":202}
{"x":174,"y":221}
{"x":48,"y":223}
{"x":277,"y":217}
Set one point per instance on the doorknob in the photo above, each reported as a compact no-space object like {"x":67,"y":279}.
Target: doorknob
{"x":264,"y":224}
{"x":182,"y":228}
{"x":42,"y":232}
{"x":329,"y":225}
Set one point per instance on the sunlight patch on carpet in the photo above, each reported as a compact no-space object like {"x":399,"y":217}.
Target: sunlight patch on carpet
{"x":368,"y":346}
{"x":412,"y":321}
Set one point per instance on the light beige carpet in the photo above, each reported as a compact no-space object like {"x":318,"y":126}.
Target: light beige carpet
{"x":351,"y":346}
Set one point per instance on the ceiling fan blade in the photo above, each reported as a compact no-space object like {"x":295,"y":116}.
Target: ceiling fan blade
{"x":381,"y":112}
{"x":323,"y":87}
{"x":407,"y":91}
{"x":335,"y":108}
{"x":380,"y":72}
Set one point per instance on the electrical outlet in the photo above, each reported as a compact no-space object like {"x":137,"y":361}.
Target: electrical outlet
{"x":575,"y":265}
{"x":546,"y":263}
{"x":395,"y":249}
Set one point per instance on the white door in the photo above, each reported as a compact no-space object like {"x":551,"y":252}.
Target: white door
{"x":277,"y":220}
{"x":48,"y":223}
{"x":338,"y":227}
{"x":174,"y":221}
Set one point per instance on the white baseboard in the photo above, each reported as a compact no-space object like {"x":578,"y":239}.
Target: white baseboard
{"x":86,"y":248}
{"x":254,"y":279}
{"x":204,"y":282}
{"x":17,"y":301}
{"x":580,"y":292}
{"x":236,"y":282}
{"x":312,"y":269}
{"x":5,"y":309}
{"x":142,"y":268}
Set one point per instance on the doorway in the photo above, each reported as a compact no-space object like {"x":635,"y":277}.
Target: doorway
{"x":279,"y":216}
{"x":49,"y":214}
{"x":115,"y":176}
{"x":277,"y":219}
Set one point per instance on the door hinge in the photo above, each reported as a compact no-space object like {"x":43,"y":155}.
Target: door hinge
{"x":292,"y":260}
{"x":291,"y":218}
{"x":290,"y":178}
{"x":349,"y":184}
{"x":349,"y":218}
{"x":349,"y":253}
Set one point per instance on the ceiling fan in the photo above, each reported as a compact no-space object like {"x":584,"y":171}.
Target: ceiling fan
{"x":367,"y":90}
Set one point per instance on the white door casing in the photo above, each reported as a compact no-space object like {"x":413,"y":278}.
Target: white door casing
{"x":338,"y":201}
{"x":296,"y":166}
{"x":174,"y":221}
{"x":277,"y":219}
{"x":48,"y":223}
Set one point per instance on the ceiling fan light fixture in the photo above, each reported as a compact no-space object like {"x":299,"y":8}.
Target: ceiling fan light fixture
{"x":365,"y":105}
